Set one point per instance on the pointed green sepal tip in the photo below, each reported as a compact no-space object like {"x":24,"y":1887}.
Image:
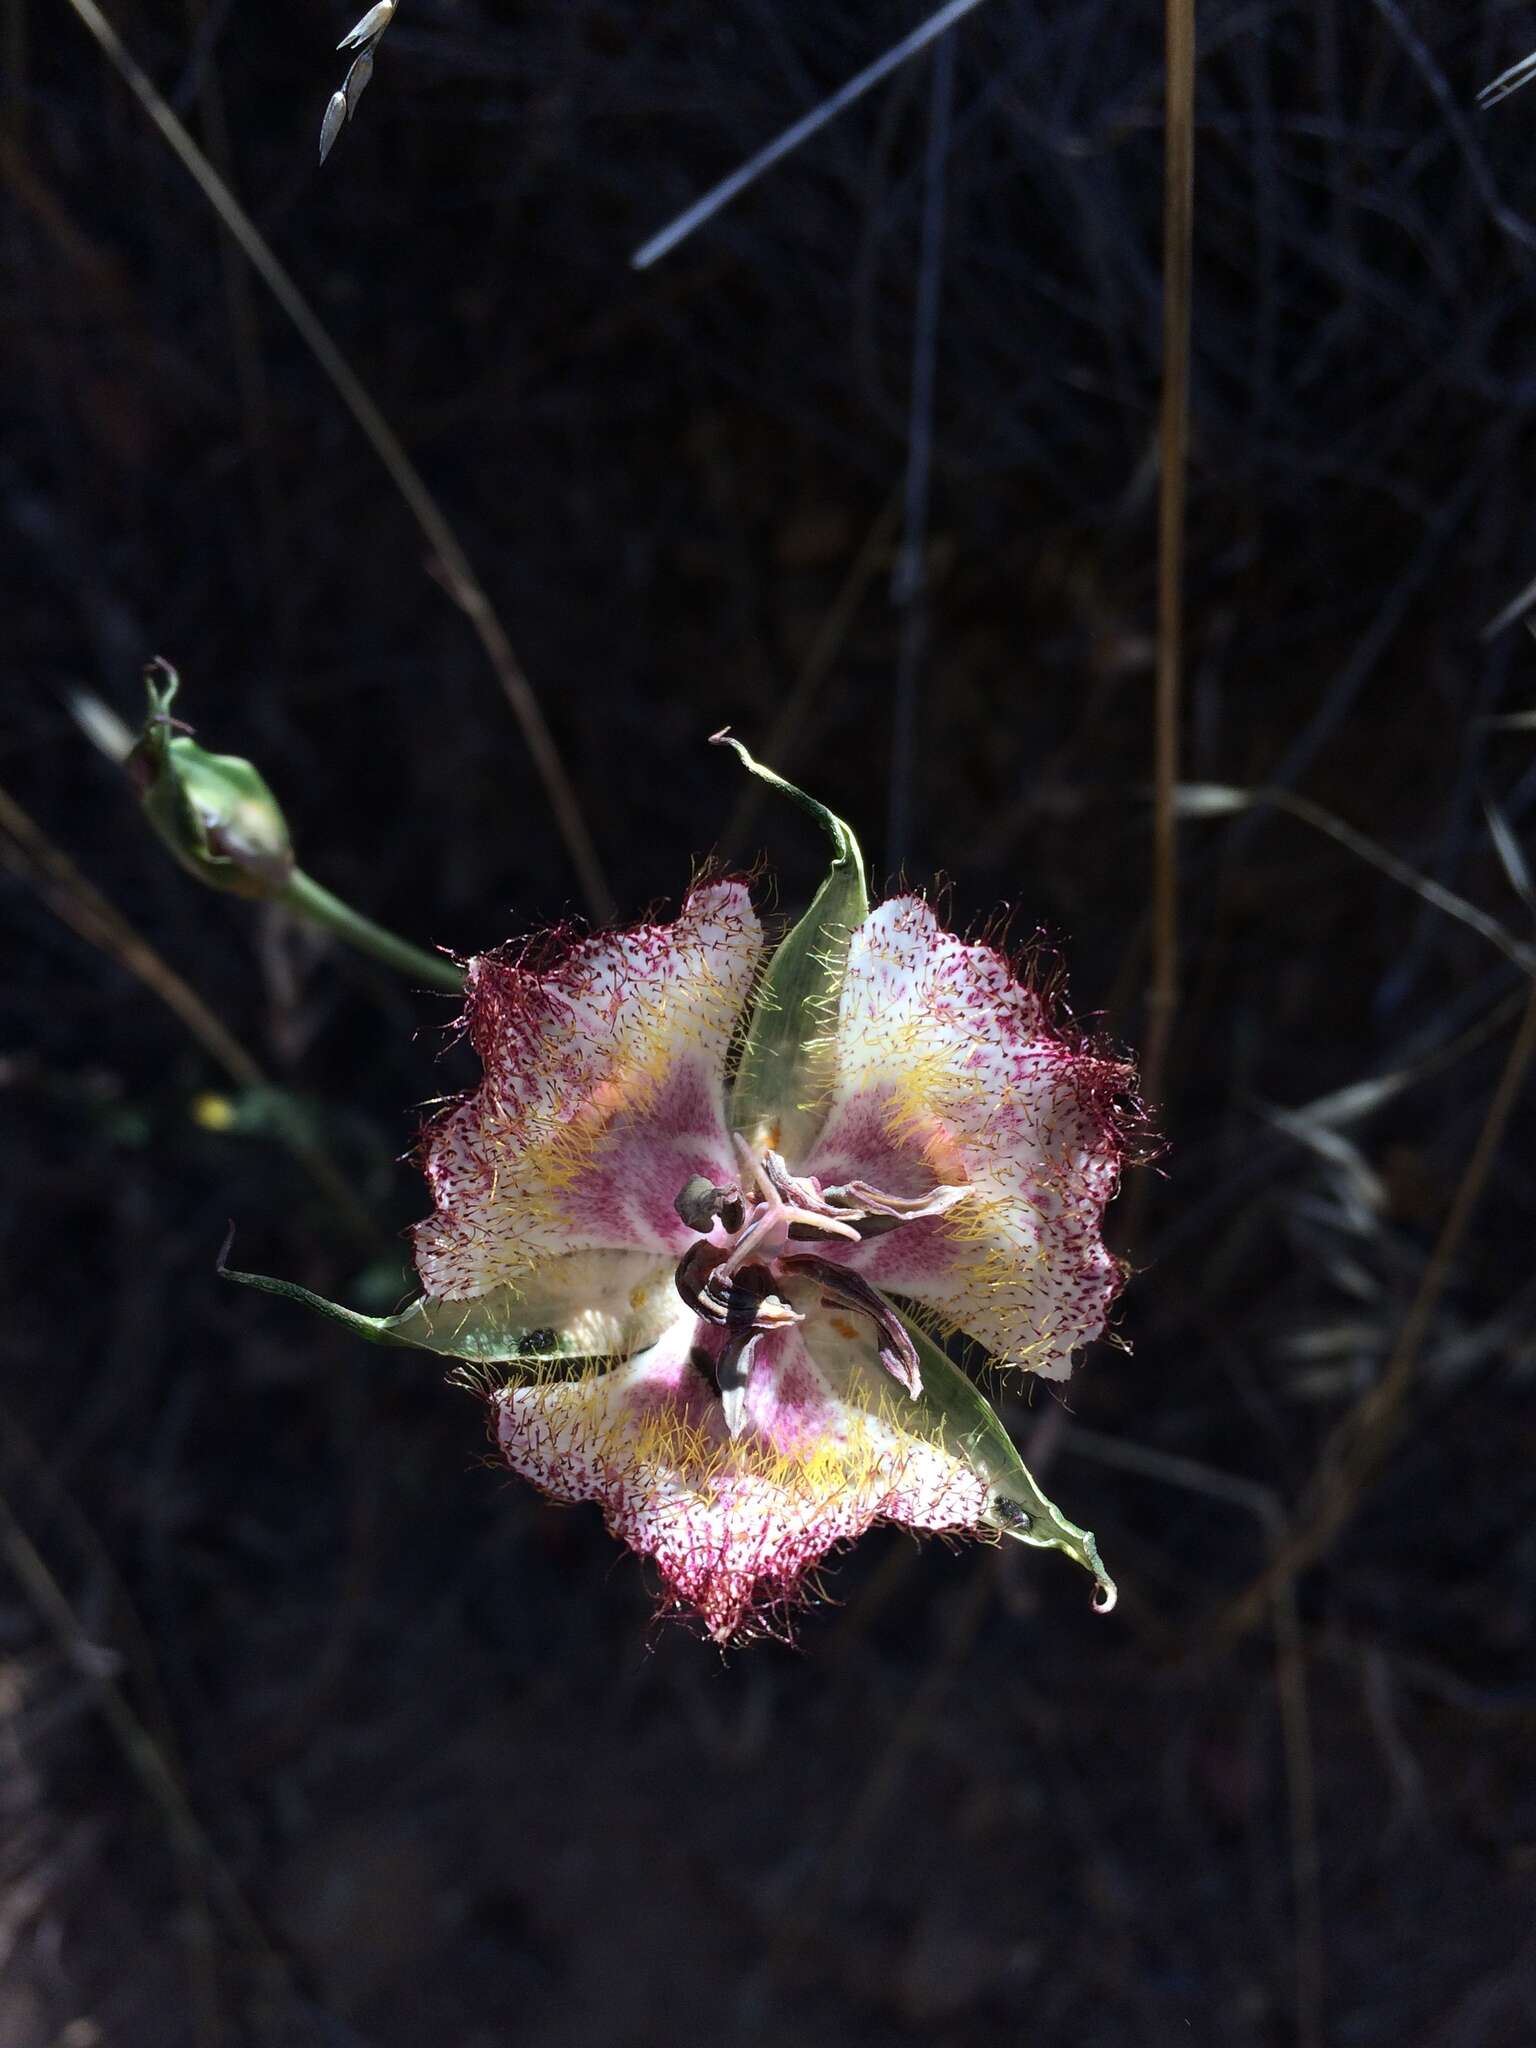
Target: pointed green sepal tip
{"x":788,"y":1063}
{"x":213,"y":811}
{"x":1016,"y":1505}
{"x":563,"y":1319}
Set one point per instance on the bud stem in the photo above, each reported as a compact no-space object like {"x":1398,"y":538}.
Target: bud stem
{"x":305,"y":896}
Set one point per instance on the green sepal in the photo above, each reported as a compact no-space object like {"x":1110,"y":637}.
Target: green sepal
{"x":213,"y":811}
{"x":788,"y":1063}
{"x":511,"y":1326}
{"x":1016,"y":1507}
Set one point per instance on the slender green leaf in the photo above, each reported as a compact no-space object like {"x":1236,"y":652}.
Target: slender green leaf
{"x":788,"y":1064}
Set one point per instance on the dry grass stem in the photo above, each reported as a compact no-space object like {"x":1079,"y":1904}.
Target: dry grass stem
{"x":794,"y":728}
{"x":1172,"y":484}
{"x":32,"y":856}
{"x":147,"y":1763}
{"x":668,"y":238}
{"x":463,"y":584}
{"x":1360,"y":1443}
{"x":1263,"y":1503}
{"x":1197,"y":799}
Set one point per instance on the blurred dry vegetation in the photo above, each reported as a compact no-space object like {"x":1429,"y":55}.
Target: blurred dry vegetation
{"x":314,"y":1731}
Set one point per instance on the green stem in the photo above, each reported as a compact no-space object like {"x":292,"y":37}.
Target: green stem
{"x":305,"y":895}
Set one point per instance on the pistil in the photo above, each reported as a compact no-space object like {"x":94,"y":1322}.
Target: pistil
{"x":749,"y":1234}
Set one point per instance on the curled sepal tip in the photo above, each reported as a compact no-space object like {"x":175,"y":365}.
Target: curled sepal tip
{"x":788,"y":1061}
{"x":1016,"y":1506}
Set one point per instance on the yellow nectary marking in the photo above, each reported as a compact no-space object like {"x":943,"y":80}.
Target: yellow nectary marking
{"x":1001,"y":1238}
{"x":668,"y":1452}
{"x":662,"y":1452}
{"x":565,"y":1080}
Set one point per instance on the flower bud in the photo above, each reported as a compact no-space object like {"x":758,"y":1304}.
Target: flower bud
{"x":214,"y":811}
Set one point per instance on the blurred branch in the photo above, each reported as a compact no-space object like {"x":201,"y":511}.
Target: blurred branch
{"x":1504,"y":217}
{"x":80,"y":905}
{"x":795,"y":721}
{"x":245,"y":336}
{"x":1361,"y":1441}
{"x":28,"y":851}
{"x":910,"y":582}
{"x":704,"y":209}
{"x":1507,"y":82}
{"x":1263,"y":1503}
{"x":1261,"y":1160}
{"x":821,"y":1891}
{"x":1173,"y":455}
{"x":1217,"y":799}
{"x":144,"y":1757}
{"x":463,"y":585}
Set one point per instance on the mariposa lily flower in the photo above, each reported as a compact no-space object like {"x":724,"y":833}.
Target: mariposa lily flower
{"x":701,"y":1226}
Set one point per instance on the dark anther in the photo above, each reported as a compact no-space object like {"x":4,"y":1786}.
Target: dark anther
{"x":700,"y":1203}
{"x":743,"y":1301}
{"x":694,"y":1271}
{"x":704,"y":1366}
{"x":842,"y":1289}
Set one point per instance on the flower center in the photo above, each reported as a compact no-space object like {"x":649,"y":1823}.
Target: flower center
{"x":750,"y":1231}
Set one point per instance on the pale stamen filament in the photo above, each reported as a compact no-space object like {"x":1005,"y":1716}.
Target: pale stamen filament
{"x":733,"y":1283}
{"x":765,"y":1234}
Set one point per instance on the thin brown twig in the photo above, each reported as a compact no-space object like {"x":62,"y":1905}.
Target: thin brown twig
{"x":206,"y":1878}
{"x":81,"y":905}
{"x":1191,"y":1476}
{"x":1302,"y":808}
{"x":245,"y":335}
{"x":28,"y":851}
{"x":153,"y":1743}
{"x":882,"y":1784}
{"x":819,"y":1892}
{"x":146,"y":1760}
{"x":463,"y":584}
{"x":1173,"y":451}
{"x":21,"y":1458}
{"x":1361,"y":1441}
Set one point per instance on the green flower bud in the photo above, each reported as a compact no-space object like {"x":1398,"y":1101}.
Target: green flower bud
{"x":214,"y":811}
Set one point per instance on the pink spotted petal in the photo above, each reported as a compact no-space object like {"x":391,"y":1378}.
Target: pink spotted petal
{"x":603,"y":1093}
{"x":828,"y":1446}
{"x":949,"y":1070}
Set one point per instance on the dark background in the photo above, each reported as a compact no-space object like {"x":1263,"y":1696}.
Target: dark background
{"x":315,"y":1731}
